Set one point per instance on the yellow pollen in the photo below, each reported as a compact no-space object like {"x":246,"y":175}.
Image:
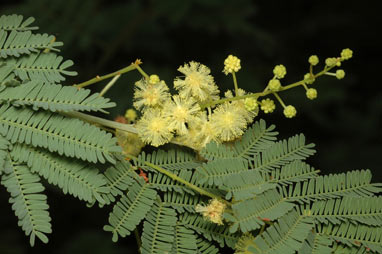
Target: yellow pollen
{"x":193,"y":79}
{"x":180,"y":114}
{"x":156,"y":125}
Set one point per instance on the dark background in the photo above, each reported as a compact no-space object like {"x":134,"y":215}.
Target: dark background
{"x":103,"y":36}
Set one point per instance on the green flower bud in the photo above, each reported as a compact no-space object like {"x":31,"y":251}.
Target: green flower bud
{"x":279,"y":71}
{"x":290,"y":111}
{"x":313,"y":60}
{"x":311,"y":93}
{"x":340,"y":74}
{"x":274,"y":84}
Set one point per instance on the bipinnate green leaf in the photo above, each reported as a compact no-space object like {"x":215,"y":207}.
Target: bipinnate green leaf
{"x":130,"y":210}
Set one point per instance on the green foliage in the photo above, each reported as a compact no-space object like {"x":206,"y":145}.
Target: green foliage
{"x":54,"y":98}
{"x":28,"y":202}
{"x":284,"y":237}
{"x":354,"y":235}
{"x":173,"y":160}
{"x":184,"y":241}
{"x":36,"y":138}
{"x":159,"y":230}
{"x":78,"y":179}
{"x":57,"y":133}
{"x":119,"y":178}
{"x":41,"y":67}
{"x":364,"y":210}
{"x":268,"y":206}
{"x":130,"y":209}
{"x":209,"y":230}
{"x":206,"y":247}
{"x":273,"y":200}
{"x":15,"y":23}
{"x":353,"y":183}
{"x":19,"y":43}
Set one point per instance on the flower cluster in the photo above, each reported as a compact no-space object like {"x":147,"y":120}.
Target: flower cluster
{"x":213,"y":211}
{"x":196,"y":115}
{"x":180,"y":118}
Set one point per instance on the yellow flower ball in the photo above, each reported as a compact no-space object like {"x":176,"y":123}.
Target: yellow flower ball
{"x":290,"y":111}
{"x":279,"y":71}
{"x":313,"y":60}
{"x":309,"y":79}
{"x":346,"y":54}
{"x":268,"y":105}
{"x":250,"y":104}
{"x":340,"y":74}
{"x":231,"y":64}
{"x":311,"y":93}
{"x":274,"y":84}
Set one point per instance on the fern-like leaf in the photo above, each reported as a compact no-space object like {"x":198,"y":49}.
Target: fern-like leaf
{"x":5,"y":74}
{"x":206,"y":247}
{"x":3,"y":152}
{"x":158,"y":229}
{"x":296,"y":171}
{"x":353,"y":183}
{"x":250,"y":214}
{"x":72,"y":176}
{"x":365,"y":210}
{"x":354,"y":235}
{"x":71,"y":137}
{"x":19,"y":43}
{"x":119,"y":178}
{"x":343,"y":249}
{"x":182,"y":201}
{"x":217,"y":172}
{"x":29,"y":204}
{"x":285,"y":236}
{"x":184,"y":241}
{"x":55,"y":97}
{"x":316,"y":244}
{"x":172,"y":160}
{"x":246,"y":185}
{"x":15,"y":23}
{"x":41,"y":67}
{"x":130,"y":209}
{"x":282,"y":153}
{"x":165,"y":183}
{"x":209,"y":230}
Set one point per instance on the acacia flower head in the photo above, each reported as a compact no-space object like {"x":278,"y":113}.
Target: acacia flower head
{"x":213,"y":211}
{"x":267,"y":105}
{"x":249,"y":112}
{"x":250,"y":104}
{"x":340,"y":74}
{"x":313,"y":60}
{"x":201,"y":132}
{"x":309,"y":78}
{"x":153,"y":128}
{"x":279,"y":71}
{"x":198,"y":83}
{"x":346,"y":54}
{"x":231,"y":64}
{"x":274,"y":84}
{"x":311,"y":93}
{"x":290,"y":111}
{"x":229,"y":124}
{"x":147,"y":95}
{"x":180,"y":111}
